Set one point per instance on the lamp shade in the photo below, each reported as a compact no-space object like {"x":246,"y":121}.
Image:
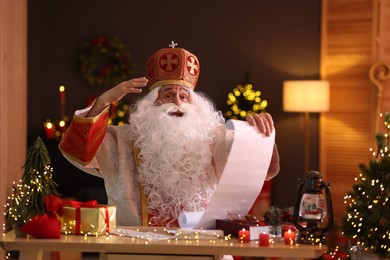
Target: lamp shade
{"x":305,"y":96}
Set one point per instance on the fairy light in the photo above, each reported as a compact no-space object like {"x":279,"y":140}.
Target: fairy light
{"x":370,"y":197}
{"x":243,"y":101}
{"x":24,"y":202}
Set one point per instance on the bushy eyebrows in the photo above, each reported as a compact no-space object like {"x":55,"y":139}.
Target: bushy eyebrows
{"x":169,"y":89}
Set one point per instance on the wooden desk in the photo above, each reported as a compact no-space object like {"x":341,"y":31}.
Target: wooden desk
{"x":31,"y":248}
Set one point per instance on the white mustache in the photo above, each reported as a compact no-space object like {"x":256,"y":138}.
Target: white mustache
{"x":172,"y":108}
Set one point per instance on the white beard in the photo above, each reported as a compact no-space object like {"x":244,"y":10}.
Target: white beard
{"x":175,"y":153}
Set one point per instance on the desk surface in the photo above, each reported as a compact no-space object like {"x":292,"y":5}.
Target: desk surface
{"x":117,"y":244}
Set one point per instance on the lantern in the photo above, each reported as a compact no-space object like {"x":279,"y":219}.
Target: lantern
{"x":313,"y":207}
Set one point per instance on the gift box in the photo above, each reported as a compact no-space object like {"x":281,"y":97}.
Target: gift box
{"x":232,"y":227}
{"x":88,"y":219}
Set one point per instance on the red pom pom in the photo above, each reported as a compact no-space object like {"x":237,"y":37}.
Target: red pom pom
{"x":44,"y":226}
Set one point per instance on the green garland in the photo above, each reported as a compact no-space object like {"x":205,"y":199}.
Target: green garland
{"x":276,"y":216}
{"x":105,"y":62}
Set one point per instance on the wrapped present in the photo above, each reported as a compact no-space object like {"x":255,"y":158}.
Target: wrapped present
{"x":89,"y":218}
{"x":232,"y":227}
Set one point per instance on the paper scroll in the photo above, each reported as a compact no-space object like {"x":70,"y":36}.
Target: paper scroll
{"x":241,"y":180}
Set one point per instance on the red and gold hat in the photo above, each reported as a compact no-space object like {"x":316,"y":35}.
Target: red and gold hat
{"x":172,"y":66}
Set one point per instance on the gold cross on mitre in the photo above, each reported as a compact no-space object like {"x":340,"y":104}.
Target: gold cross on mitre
{"x":173,"y":44}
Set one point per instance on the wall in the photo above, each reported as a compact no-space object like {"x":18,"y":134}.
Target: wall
{"x":274,"y":40}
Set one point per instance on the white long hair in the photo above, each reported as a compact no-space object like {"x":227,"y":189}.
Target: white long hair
{"x":175,"y":154}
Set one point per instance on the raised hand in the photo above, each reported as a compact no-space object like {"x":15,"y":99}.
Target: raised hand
{"x":117,"y":93}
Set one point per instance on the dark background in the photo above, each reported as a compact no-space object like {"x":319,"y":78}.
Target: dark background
{"x":273,"y":40}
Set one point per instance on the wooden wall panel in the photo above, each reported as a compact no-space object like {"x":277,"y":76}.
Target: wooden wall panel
{"x":385,"y":106}
{"x":13,"y":95}
{"x":346,"y":131}
{"x":345,"y":144}
{"x":383,"y":45}
{"x":383,"y":39}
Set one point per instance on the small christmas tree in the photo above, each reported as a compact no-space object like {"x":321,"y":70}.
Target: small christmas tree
{"x":244,"y":101}
{"x":27,"y":199}
{"x":367,"y":217}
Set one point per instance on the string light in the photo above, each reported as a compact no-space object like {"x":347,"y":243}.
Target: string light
{"x":26,"y":200}
{"x":119,"y":113}
{"x":244,"y":101}
{"x":367,"y":204}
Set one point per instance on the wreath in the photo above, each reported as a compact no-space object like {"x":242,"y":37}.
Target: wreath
{"x":105,"y":62}
{"x":243,"y":101}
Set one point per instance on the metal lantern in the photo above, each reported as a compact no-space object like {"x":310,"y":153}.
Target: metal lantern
{"x":312,"y":207}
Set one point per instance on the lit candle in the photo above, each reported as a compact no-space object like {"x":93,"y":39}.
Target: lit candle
{"x":49,"y":130}
{"x":62,"y":100}
{"x":243,"y":236}
{"x":289,"y":237}
{"x":264,"y":239}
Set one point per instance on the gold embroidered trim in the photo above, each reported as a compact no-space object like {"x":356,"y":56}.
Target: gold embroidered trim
{"x":144,"y":208}
{"x":83,"y":163}
{"x":90,"y":120}
{"x":172,"y":81}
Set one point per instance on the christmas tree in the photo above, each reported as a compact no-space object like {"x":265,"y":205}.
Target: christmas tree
{"x":244,"y":101}
{"x":27,"y":199}
{"x":367,"y":217}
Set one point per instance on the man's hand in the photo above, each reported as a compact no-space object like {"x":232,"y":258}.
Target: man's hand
{"x":263,"y":121}
{"x":117,"y":93}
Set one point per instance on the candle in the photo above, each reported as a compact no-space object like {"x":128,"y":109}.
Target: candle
{"x":243,"y":236}
{"x":264,"y":239}
{"x":289,"y":237}
{"x":62,"y":100}
{"x":49,"y":130}
{"x":287,"y":227}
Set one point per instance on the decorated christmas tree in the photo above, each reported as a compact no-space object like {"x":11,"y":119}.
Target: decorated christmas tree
{"x":367,"y":217}
{"x":27,"y":199}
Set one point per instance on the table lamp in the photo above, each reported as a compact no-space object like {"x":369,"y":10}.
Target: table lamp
{"x":306,"y":96}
